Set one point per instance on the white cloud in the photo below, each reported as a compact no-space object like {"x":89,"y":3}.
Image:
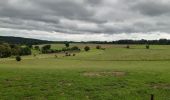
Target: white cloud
{"x":57,"y":36}
{"x":85,"y":19}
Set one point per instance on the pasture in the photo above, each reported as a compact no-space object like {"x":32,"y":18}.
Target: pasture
{"x":116,"y":73}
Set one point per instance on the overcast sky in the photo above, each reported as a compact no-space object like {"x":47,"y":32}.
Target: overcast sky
{"x":84,"y":20}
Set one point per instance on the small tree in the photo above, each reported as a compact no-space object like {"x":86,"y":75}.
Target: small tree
{"x":74,"y":54}
{"x":37,"y":48}
{"x":30,"y":46}
{"x":34,"y":55}
{"x":46,"y":48}
{"x":127,"y":46}
{"x":66,"y":54}
{"x":67,"y":44}
{"x":18,"y":58}
{"x":147,"y":46}
{"x":86,"y":48}
{"x":75,"y":48}
{"x":98,"y":47}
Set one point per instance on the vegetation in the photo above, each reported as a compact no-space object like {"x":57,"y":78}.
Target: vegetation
{"x":67,"y":44}
{"x":98,"y":47}
{"x":37,"y":47}
{"x":25,"y":51}
{"x":22,"y":41}
{"x":29,"y":42}
{"x":115,"y":73}
{"x":86,"y":48}
{"x":127,"y":46}
{"x":46,"y":49}
{"x":7,"y":50}
{"x":18,"y":58}
{"x":147,"y":46}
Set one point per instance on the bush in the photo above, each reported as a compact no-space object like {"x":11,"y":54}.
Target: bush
{"x":127,"y":46}
{"x":46,"y":48}
{"x":67,"y":44}
{"x":37,"y":48}
{"x":66,"y":54}
{"x":18,"y":58}
{"x":5,"y":51}
{"x":98,"y":47}
{"x":75,"y":48}
{"x":25,"y":51}
{"x":86,"y":48}
{"x":34,"y":55}
{"x":74,"y":54}
{"x":147,"y":46}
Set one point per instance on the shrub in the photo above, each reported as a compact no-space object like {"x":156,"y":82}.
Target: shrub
{"x":18,"y":58}
{"x":46,"y":48}
{"x":37,"y":48}
{"x":25,"y":51}
{"x":66,"y":54}
{"x":35,"y":55}
{"x":75,"y":48}
{"x":5,"y":51}
{"x":147,"y":46}
{"x":30,"y":46}
{"x":74,"y":54}
{"x":67,"y":44}
{"x":98,"y":47}
{"x":127,"y":46}
{"x":86,"y":48}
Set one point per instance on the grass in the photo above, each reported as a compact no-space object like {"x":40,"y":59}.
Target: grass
{"x":48,"y":78}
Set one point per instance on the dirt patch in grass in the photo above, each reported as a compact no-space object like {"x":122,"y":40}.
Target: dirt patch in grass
{"x":160,"y":86}
{"x":104,"y":73}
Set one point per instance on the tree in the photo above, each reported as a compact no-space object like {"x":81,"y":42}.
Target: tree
{"x":37,"y":48}
{"x":67,"y":44}
{"x":25,"y":51}
{"x":98,"y":47}
{"x":5,"y":50}
{"x":86,"y":48}
{"x":30,"y":46}
{"x":147,"y":46}
{"x":127,"y":46}
{"x":18,"y":58}
{"x":75,"y":48}
{"x":46,"y":48}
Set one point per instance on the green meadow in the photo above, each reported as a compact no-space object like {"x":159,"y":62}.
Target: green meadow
{"x":116,"y":73}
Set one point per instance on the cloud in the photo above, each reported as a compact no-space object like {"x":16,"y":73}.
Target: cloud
{"x":84,"y":17}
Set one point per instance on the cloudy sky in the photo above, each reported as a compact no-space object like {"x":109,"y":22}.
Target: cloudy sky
{"x":84,"y":20}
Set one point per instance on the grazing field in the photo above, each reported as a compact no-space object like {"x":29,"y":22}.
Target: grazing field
{"x":116,"y":73}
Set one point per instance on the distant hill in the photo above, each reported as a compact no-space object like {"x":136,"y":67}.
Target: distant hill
{"x":20,"y":40}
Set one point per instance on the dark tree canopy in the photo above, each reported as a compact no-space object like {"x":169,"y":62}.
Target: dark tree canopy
{"x":67,"y":44}
{"x":86,"y":48}
{"x":7,"y":50}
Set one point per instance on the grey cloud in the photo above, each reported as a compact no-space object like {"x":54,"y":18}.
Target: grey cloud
{"x":152,"y":7}
{"x":86,"y":16}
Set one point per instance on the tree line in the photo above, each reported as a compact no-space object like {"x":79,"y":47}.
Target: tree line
{"x":8,"y":50}
{"x":28,"y":41}
{"x":151,"y":42}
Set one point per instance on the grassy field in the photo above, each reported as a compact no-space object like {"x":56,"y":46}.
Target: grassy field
{"x":116,"y":73}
